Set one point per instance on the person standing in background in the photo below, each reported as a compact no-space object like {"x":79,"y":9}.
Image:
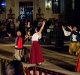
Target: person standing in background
{"x":22,"y":28}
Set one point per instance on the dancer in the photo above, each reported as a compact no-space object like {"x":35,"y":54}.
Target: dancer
{"x":35,"y":52}
{"x":18,"y":46}
{"x":74,"y":47}
{"x":74,"y":38}
{"x":9,"y":34}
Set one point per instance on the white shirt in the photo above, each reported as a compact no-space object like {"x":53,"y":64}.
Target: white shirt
{"x":66,"y":33}
{"x":36,"y":37}
{"x":74,"y":37}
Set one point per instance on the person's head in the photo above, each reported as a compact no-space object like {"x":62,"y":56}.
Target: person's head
{"x":74,"y":28}
{"x":36,"y":30}
{"x":40,"y":21}
{"x":28,"y":22}
{"x":15,"y":67}
{"x":18,"y":33}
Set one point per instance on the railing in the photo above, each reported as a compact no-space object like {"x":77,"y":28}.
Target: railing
{"x":33,"y":70}
{"x":3,"y":63}
{"x":41,"y":71}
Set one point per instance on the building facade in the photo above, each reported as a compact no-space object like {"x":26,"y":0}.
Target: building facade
{"x":47,"y":11}
{"x":68,"y":9}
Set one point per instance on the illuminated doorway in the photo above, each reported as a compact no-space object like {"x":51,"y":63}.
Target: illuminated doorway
{"x":26,"y":10}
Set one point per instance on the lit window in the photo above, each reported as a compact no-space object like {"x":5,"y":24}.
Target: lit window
{"x":55,"y":6}
{"x":48,"y":4}
{"x":73,"y":4}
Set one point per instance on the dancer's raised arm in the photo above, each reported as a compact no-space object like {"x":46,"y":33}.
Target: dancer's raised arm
{"x":66,"y":33}
{"x":70,"y":27}
{"x":42,"y":27}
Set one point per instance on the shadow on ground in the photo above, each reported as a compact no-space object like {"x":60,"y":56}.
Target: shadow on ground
{"x":60,"y":63}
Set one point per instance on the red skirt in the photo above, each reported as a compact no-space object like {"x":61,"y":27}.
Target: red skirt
{"x":36,"y":53}
{"x":78,"y":64}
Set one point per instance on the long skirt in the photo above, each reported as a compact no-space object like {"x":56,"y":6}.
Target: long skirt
{"x":78,"y":64}
{"x":74,"y":48}
{"x":36,"y":53}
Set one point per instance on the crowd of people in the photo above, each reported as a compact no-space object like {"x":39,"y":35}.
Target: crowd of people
{"x":6,"y":27}
{"x":52,"y":27}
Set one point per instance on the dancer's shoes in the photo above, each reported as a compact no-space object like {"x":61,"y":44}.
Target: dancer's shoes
{"x":38,"y":64}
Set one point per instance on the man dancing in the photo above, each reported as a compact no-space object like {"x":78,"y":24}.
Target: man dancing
{"x":74,"y":47}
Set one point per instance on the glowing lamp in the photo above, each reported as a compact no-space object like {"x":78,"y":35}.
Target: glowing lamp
{"x":48,"y":4}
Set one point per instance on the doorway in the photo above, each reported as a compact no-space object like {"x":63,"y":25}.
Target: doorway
{"x":26,"y":10}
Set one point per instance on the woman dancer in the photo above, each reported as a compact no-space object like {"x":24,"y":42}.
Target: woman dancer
{"x":35,"y":52}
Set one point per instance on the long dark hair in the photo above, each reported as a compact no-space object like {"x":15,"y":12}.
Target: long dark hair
{"x":15,"y":67}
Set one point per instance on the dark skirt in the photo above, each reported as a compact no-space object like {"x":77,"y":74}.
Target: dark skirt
{"x":36,"y":53}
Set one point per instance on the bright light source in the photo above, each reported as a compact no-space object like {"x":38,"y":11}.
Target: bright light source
{"x":3,"y":4}
{"x":48,"y":4}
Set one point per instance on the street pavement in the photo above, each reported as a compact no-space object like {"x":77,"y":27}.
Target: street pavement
{"x":56,"y":58}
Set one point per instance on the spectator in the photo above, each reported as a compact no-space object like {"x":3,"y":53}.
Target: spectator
{"x":14,"y":67}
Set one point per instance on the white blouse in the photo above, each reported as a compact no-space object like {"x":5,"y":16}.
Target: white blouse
{"x":66,"y":33}
{"x":36,"y":37}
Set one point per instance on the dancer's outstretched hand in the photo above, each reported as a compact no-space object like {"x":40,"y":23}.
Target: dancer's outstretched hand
{"x":62,"y":26}
{"x":70,"y":27}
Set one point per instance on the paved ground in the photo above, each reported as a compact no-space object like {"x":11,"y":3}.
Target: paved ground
{"x":56,"y":58}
